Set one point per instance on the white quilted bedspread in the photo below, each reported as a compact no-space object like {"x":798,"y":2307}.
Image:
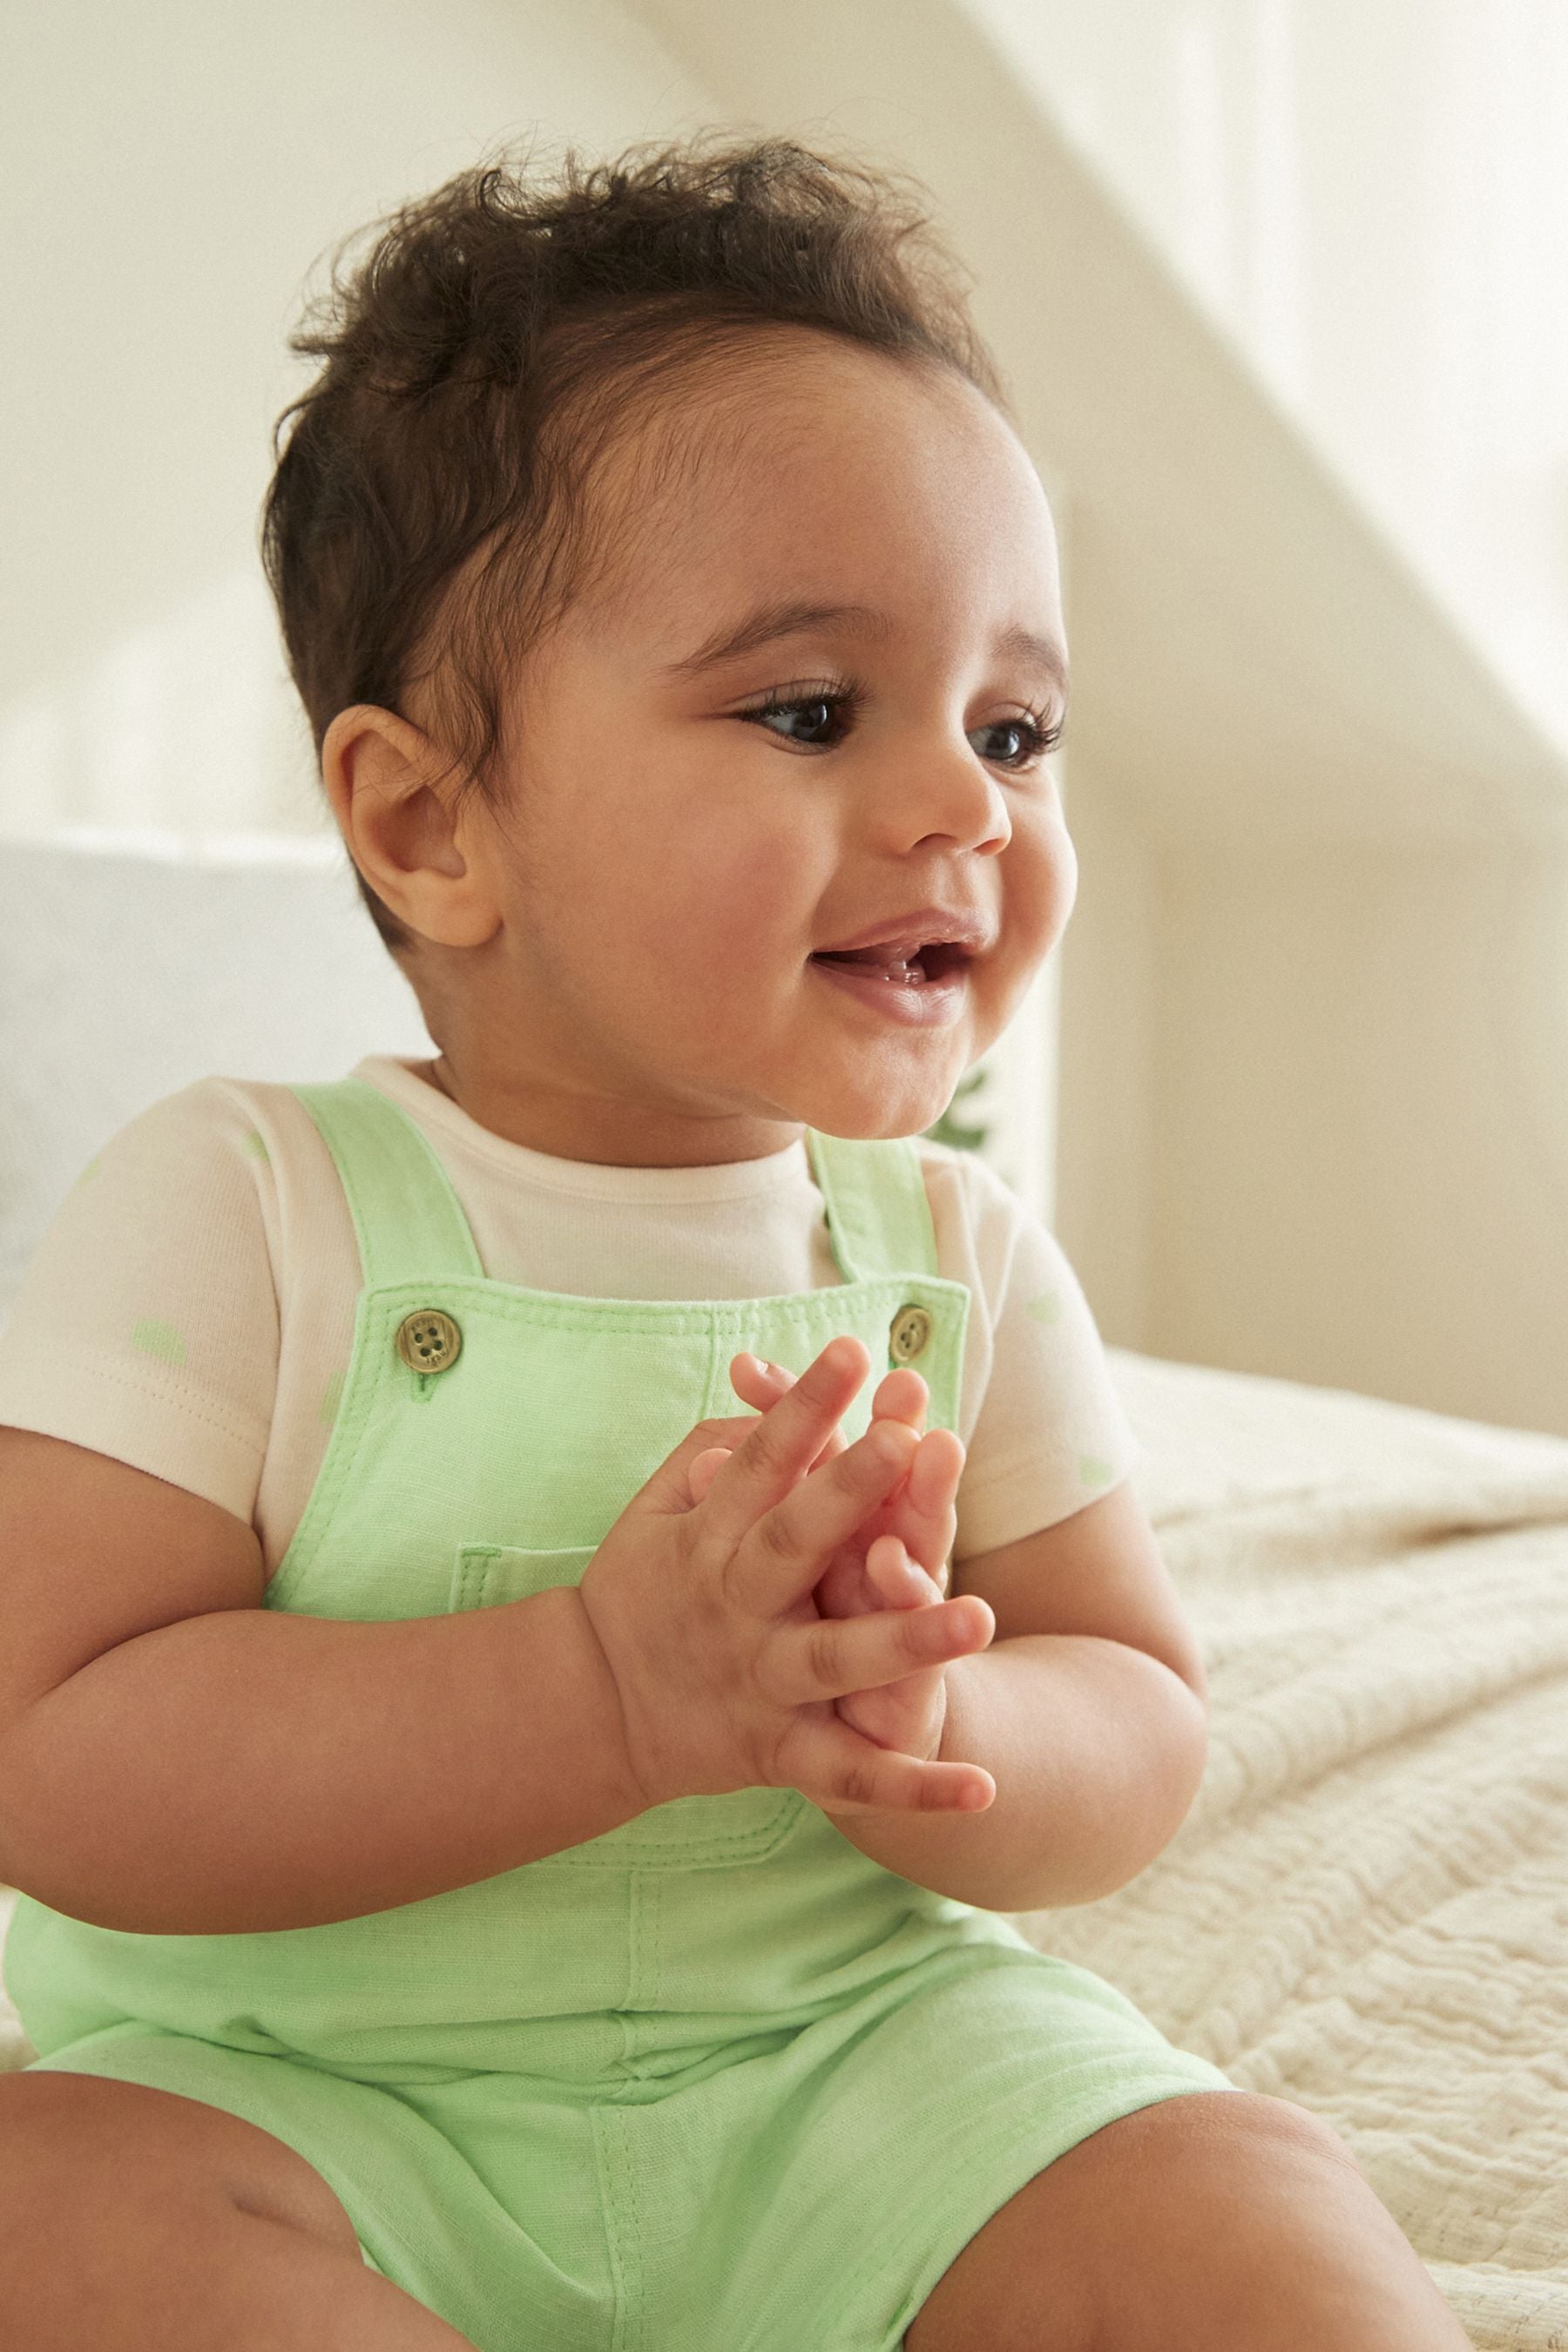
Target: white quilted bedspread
{"x":1366,"y":1911}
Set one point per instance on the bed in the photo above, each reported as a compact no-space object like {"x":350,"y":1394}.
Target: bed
{"x":1366,"y":1909}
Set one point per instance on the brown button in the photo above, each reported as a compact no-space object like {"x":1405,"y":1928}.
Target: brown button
{"x":908,"y":1335}
{"x":427,"y":1340}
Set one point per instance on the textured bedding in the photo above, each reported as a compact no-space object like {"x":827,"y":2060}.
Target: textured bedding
{"x":1366,"y":1910}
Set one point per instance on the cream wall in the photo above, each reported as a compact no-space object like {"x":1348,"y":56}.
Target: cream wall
{"x":1362,"y":1058}
{"x":170,"y":174}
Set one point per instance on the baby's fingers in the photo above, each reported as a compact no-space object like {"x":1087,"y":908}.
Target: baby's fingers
{"x":837,"y":1656}
{"x":843,"y":1772}
{"x":900,"y":1395}
{"x":762,"y":1384}
{"x":924,"y":1513}
{"x":783,"y":1555}
{"x":702,"y":1473}
{"x":779,"y":1449}
{"x":899,"y":1580}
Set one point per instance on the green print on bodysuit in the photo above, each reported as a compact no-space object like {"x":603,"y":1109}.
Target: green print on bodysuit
{"x":159,"y":1340}
{"x":332,"y":1397}
{"x":256,"y":1149}
{"x":1046,"y":1308}
{"x":1093,"y":1472}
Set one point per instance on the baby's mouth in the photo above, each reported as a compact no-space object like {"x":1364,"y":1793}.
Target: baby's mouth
{"x":926,"y":965}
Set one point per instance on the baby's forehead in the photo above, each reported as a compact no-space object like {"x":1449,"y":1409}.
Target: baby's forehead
{"x":725,"y":425}
{"x":771,"y":473}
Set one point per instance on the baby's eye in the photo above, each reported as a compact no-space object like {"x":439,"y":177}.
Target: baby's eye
{"x":1037,"y":739}
{"x":823,"y":709}
{"x":814,"y":703}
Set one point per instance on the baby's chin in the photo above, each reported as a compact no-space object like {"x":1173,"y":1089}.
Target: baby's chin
{"x":869,"y":1103}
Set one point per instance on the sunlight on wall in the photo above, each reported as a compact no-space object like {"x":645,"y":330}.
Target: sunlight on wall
{"x":1370,"y":200}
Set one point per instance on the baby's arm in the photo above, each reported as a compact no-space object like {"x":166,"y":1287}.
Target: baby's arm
{"x":177,"y":1759}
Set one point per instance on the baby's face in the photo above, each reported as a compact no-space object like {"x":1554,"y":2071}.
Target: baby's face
{"x":670,"y":861}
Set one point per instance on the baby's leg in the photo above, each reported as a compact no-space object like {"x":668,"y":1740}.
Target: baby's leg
{"x":138,"y":2221}
{"x":1216,"y":2221}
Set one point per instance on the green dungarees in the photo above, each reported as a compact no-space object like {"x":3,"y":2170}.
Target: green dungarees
{"x":714,"y":2082}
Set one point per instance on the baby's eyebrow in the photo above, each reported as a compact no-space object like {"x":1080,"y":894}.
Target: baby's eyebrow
{"x":793,"y":616}
{"x":778,"y":617}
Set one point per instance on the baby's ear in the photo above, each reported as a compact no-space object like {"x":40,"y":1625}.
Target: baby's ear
{"x":394,"y":793}
{"x":367,"y":748}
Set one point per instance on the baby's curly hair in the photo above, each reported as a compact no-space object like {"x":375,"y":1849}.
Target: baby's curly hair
{"x":429,"y":514}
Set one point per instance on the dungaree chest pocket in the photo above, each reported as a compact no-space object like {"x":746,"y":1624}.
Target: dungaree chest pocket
{"x":743,"y":1826}
{"x":484,"y":1575}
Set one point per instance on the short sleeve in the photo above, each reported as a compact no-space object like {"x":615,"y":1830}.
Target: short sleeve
{"x":146,"y":1323}
{"x":1051,"y":1435}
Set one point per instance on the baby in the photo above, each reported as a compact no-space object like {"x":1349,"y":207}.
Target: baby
{"x":513,"y":1851}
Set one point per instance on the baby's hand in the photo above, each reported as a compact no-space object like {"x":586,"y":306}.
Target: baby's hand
{"x":897,"y":1557}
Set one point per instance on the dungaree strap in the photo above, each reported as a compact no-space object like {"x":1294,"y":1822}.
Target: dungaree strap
{"x":410,"y":1222}
{"x":411,"y":1225}
{"x":878,"y":1217}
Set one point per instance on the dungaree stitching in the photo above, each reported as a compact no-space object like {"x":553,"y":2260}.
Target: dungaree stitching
{"x":619,"y":2190}
{"x":637,"y":1962}
{"x":638,"y":2312}
{"x":655,"y":1895}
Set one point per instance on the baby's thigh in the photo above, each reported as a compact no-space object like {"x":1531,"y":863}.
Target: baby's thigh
{"x":1160,"y":2212}
{"x":130,"y":2216}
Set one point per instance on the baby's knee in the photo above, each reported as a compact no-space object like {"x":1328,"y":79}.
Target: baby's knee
{"x":1208,"y":2203}
{"x":1164,"y":2227}
{"x":1255,"y":2225}
{"x":1205,"y":2133}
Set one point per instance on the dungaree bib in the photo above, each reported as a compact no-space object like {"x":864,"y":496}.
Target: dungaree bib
{"x":715,"y":2081}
